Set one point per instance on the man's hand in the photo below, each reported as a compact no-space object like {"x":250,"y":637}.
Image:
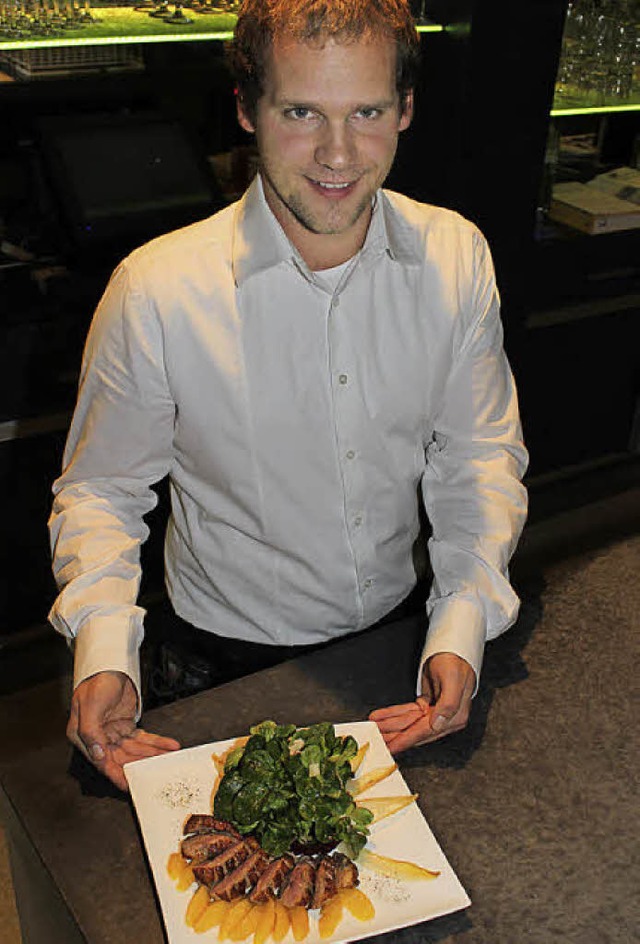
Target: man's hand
{"x":102,"y":726}
{"x":448,"y":683}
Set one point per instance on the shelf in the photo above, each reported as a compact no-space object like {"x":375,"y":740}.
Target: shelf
{"x":567,"y":111}
{"x":575,"y":102}
{"x":125,"y":25}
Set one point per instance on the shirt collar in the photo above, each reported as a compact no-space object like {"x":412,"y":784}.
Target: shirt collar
{"x":259,"y":242}
{"x":401,"y":241}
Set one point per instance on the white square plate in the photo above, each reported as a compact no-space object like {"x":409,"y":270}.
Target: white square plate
{"x":166,"y":789}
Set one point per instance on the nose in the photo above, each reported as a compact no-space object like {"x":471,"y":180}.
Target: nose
{"x":336,"y":148}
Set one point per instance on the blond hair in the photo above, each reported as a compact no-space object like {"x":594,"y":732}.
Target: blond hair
{"x":312,"y":21}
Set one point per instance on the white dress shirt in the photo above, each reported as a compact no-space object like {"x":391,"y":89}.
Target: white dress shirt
{"x":297,"y":426}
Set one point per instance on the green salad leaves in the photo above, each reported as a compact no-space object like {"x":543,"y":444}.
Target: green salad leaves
{"x":287,"y":786}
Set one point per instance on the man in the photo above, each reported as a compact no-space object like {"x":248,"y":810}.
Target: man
{"x":299,"y":365}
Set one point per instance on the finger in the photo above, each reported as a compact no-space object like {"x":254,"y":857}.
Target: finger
{"x":159,"y":741}
{"x":393,"y":725}
{"x":132,"y":749}
{"x":419,"y":733}
{"x":419,"y":736}
{"x":112,"y":769}
{"x":393,"y":711}
{"x":129,"y":751}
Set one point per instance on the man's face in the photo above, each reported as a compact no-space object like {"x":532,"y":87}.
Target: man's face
{"x":327,"y":130}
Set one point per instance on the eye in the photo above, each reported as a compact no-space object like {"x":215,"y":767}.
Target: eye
{"x":368,"y":112}
{"x":298,"y":113}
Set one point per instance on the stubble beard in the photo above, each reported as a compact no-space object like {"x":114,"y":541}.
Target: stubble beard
{"x":311,"y":221}
{"x":334,"y":224}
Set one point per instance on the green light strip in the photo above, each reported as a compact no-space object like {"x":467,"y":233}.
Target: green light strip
{"x":220,"y":36}
{"x":114,"y":40}
{"x":593,"y":110}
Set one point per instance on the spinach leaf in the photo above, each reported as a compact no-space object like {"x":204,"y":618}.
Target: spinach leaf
{"x":288,"y":784}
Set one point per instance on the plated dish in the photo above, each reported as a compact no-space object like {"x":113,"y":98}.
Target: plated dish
{"x":167,"y":790}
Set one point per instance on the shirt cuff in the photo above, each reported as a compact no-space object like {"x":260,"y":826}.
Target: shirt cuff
{"x":456,"y":625}
{"x":103,"y":644}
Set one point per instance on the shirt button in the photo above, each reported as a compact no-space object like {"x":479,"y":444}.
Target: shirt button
{"x":335,"y":302}
{"x":342,"y":379}
{"x":351,"y":454}
{"x":357,"y":520}
{"x":368,"y":583}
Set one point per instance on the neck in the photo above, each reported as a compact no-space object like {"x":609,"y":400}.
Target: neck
{"x":325,"y":252}
{"x":319,"y":250}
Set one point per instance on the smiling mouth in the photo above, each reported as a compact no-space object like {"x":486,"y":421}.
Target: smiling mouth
{"x":328,"y":186}
{"x":333,"y":189}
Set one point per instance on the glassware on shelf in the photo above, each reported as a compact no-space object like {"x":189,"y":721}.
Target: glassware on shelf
{"x":600,"y":52}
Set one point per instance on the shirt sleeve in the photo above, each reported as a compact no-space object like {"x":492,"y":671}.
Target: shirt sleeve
{"x":119,"y":444}
{"x":472,"y":488}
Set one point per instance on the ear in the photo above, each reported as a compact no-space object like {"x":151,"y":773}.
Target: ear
{"x":243,"y":118}
{"x":407,"y":111}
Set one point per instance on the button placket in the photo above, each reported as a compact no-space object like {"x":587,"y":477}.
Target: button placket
{"x":349,"y":425}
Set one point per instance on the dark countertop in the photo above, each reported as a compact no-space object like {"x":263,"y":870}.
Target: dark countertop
{"x":535,"y":804}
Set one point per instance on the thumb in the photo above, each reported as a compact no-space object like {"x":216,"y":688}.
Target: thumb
{"x":91,"y":739}
{"x":446,"y":706}
{"x":95,"y":751}
{"x":85,"y":730}
{"x":427,"y":691}
{"x":91,"y":744}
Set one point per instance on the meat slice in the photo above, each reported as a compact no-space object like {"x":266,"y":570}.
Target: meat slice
{"x":203,"y":846}
{"x":236,"y":884}
{"x":271,"y":880}
{"x":205,"y":823}
{"x":298,"y":887}
{"x":346,"y":871}
{"x":325,"y":885}
{"x":215,"y":869}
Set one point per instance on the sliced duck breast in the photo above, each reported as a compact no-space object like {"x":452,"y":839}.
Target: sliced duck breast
{"x":272,"y":879}
{"x":298,"y":887}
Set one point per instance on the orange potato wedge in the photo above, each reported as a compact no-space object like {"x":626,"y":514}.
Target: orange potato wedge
{"x":247,"y":924}
{"x":281,"y":924}
{"x":360,"y":784}
{"x":357,"y":903}
{"x":266,"y":922}
{"x":197,"y":906}
{"x":185,"y":879}
{"x":299,"y":918}
{"x":381,"y":807}
{"x":212,"y":916}
{"x":330,"y":916}
{"x":235,"y":913}
{"x":176,"y":864}
{"x":394,"y":868}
